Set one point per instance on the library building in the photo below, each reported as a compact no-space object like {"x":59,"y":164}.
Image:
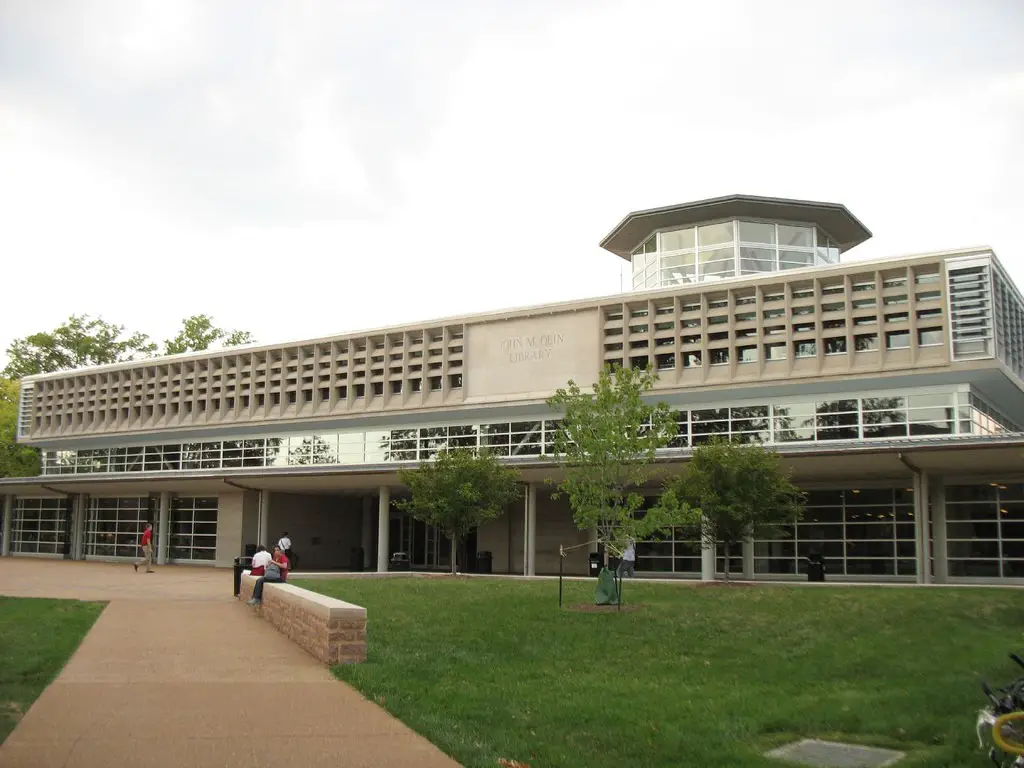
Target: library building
{"x":892,"y":389}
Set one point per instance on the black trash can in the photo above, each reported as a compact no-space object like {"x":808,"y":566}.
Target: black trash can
{"x":241,"y":564}
{"x":355,"y":562}
{"x":484,"y":562}
{"x":595,"y":564}
{"x":815,"y":567}
{"x":400,"y":562}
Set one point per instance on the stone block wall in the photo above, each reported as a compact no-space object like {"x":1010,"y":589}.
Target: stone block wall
{"x":331,"y":630}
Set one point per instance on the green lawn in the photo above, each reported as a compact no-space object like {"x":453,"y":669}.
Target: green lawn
{"x":490,"y":669}
{"x":37,"y":637}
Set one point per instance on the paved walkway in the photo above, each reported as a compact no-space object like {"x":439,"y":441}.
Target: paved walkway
{"x":177,"y":673}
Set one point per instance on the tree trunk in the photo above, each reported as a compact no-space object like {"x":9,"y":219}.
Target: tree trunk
{"x":454,"y":562}
{"x":725,"y":545}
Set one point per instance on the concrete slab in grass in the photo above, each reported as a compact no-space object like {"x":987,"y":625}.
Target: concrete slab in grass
{"x":831,"y":754}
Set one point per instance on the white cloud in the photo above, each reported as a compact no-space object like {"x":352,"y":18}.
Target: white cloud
{"x":312,"y":169}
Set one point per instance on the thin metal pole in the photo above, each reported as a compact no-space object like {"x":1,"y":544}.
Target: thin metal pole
{"x":561,"y":564}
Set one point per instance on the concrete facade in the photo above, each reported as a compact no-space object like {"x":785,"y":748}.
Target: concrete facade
{"x":897,"y":380}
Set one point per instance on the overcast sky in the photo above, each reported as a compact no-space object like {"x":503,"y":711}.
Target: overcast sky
{"x":299,"y":169}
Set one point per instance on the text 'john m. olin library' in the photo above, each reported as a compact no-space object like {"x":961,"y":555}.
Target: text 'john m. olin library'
{"x":892,"y":388}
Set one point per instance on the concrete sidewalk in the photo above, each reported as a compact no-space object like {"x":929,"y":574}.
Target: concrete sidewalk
{"x":169,"y":678}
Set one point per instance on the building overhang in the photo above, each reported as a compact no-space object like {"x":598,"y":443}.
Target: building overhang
{"x":834,"y":218}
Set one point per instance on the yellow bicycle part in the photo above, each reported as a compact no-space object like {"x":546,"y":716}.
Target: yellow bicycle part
{"x":1016,"y":722}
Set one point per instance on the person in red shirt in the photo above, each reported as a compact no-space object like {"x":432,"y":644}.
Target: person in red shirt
{"x":276,"y":572}
{"x":147,"y":550}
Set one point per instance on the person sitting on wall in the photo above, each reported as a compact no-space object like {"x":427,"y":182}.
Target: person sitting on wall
{"x":276,"y":572}
{"x":260,"y":561}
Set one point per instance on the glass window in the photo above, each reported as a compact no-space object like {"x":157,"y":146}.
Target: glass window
{"x":757,"y":232}
{"x":865,"y":342}
{"x":928,"y":337}
{"x":747,"y":354}
{"x":678,"y":239}
{"x":691,"y":360}
{"x":719,"y":356}
{"x":756,"y":260}
{"x":717,"y":262}
{"x":715,"y":234}
{"x":897,"y":340}
{"x":835,"y":345}
{"x":775,"y":351}
{"x":801,"y":237}
{"x":795,"y":259}
{"x":805,"y":348}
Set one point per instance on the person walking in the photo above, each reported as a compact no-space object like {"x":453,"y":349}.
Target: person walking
{"x":147,"y":550}
{"x":627,"y":565}
{"x":285,"y":545}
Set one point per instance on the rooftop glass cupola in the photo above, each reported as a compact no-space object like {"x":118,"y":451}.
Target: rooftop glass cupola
{"x":731,"y":236}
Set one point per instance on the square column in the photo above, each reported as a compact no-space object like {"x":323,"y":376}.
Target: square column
{"x":263,"y":528}
{"x":79,"y":512}
{"x":940,"y":553}
{"x":530,"y":537}
{"x":748,"y":558}
{"x":383,"y":529}
{"x":8,"y":512}
{"x":163,"y":528}
{"x":923,"y":547}
{"x":707,"y":560}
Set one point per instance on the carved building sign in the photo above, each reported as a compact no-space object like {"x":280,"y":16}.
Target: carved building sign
{"x":532,"y":355}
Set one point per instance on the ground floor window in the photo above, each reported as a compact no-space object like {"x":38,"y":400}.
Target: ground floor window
{"x":193,"y":528}
{"x":985,"y":530}
{"x":39,"y":526}
{"x":858,"y":531}
{"x":115,"y":525}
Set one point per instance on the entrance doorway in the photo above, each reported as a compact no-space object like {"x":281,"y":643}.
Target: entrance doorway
{"x":428,"y":548}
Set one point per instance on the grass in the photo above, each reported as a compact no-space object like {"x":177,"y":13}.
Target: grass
{"x":37,"y":637}
{"x":490,"y":669}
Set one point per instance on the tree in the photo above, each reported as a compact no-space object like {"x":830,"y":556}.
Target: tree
{"x":80,"y":341}
{"x":458,"y":491}
{"x":733,"y":491}
{"x":15,"y":460}
{"x":607,"y":443}
{"x":198,"y":333}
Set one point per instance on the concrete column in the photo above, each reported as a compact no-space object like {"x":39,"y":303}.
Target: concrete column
{"x":383,"y":529}
{"x":707,"y":561}
{"x":923,"y":544}
{"x":748,"y":558}
{"x":592,"y":535}
{"x":264,"y":525}
{"x":938,"y":514}
{"x":530,"y":557}
{"x":8,"y":512}
{"x":79,"y":511}
{"x":367,"y":530}
{"x":163,"y":528}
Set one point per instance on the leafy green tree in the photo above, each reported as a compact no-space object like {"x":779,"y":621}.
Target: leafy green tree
{"x":607,"y":443}
{"x":733,"y":491}
{"x":198,"y":333}
{"x":78,"y":342}
{"x":15,"y":460}
{"x":458,"y":491}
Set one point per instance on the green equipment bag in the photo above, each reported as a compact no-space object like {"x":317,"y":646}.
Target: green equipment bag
{"x":606,"y":593}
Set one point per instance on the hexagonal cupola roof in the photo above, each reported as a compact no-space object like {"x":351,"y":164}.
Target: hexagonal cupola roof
{"x":842,"y":227}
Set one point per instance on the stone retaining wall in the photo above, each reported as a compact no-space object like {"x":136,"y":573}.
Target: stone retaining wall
{"x":331,"y":630}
